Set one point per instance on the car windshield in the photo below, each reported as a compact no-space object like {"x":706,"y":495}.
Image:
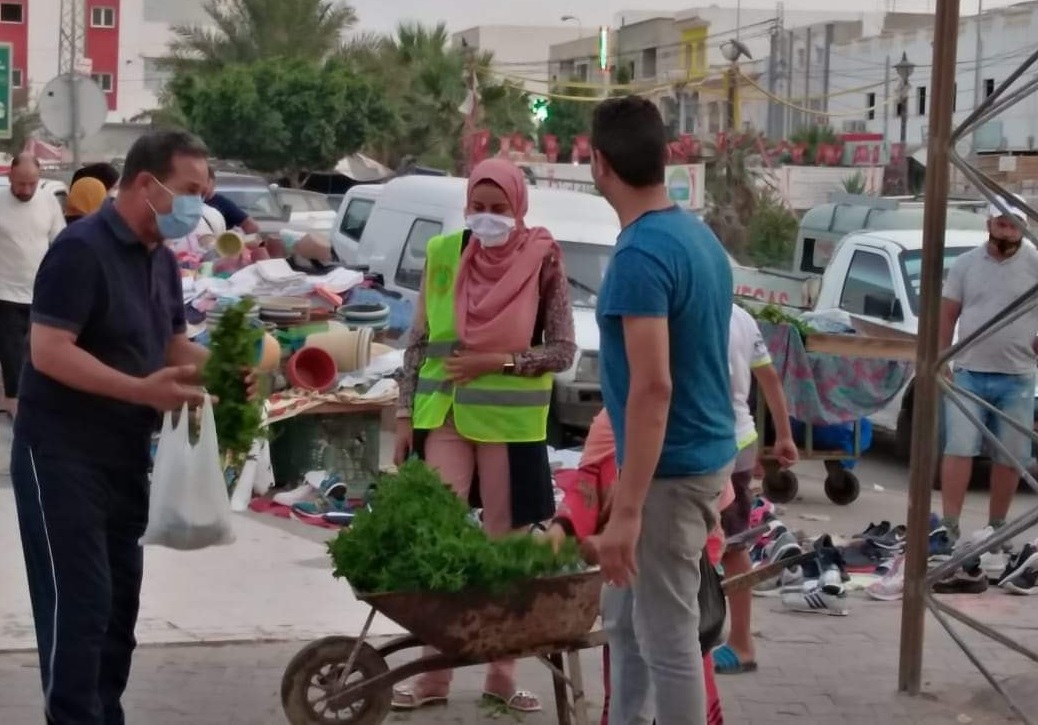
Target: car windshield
{"x":585,"y":266}
{"x":912,"y":264}
{"x":258,"y":202}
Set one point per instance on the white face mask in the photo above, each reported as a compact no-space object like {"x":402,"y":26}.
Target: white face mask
{"x":493,"y":230}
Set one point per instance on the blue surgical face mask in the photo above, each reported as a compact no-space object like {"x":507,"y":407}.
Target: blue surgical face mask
{"x":183,"y":216}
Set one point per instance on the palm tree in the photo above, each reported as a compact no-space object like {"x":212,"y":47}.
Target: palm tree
{"x":244,"y":31}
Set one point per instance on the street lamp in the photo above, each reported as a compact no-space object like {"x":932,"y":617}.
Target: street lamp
{"x":904,"y":69}
{"x":732,"y":50}
{"x":575,"y":19}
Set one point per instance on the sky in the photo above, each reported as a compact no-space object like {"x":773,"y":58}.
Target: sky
{"x":383,"y":15}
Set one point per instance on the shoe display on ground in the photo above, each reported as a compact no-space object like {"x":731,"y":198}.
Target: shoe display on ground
{"x":827,"y":559}
{"x":331,"y":486}
{"x":992,"y":562}
{"x":317,"y":508}
{"x":779,"y":544}
{"x":828,"y":599}
{"x":873,"y":531}
{"x":941,"y":545}
{"x":892,"y":586}
{"x":967,"y":579}
{"x":1021,"y":575}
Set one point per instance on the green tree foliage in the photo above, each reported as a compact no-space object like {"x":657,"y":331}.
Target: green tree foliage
{"x":281,"y":116}
{"x":568,"y":118}
{"x":245,"y":31}
{"x":772,"y":232}
{"x":812,"y":136}
{"x":731,"y":191}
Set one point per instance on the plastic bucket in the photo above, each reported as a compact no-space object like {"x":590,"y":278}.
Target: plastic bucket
{"x":230,"y":244}
{"x":311,"y":369}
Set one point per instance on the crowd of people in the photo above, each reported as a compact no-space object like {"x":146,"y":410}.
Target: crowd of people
{"x":94,"y":295}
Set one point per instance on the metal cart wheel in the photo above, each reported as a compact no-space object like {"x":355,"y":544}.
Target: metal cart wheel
{"x":841,"y":485}
{"x":313,"y":681}
{"x":780,"y":486}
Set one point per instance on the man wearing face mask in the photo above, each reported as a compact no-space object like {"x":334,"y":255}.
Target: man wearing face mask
{"x":981,"y":284}
{"x":108,"y":351}
{"x":29,"y":222}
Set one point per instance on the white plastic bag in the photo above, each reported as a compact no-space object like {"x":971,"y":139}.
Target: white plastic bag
{"x":189,"y":508}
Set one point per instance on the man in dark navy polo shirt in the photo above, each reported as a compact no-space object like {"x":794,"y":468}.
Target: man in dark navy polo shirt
{"x":107,"y":352}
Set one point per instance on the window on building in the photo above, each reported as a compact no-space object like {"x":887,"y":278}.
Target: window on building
{"x":899,"y":109}
{"x":102,"y":17}
{"x":105,"y":81}
{"x":12,"y":12}
{"x":869,"y":287}
{"x":155,"y":76}
{"x":920,"y":94}
{"x":649,"y":63}
{"x":412,"y":259}
{"x":870,"y":104}
{"x":989,"y":86}
{"x":16,"y":78}
{"x":582,"y":72}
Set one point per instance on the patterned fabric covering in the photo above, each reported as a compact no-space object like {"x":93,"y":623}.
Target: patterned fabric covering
{"x":827,"y":389}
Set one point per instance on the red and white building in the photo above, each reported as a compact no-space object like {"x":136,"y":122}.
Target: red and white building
{"x":122,"y":40}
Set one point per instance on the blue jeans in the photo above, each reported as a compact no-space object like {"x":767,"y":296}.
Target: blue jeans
{"x":80,"y":524}
{"x":656,"y":666}
{"x":1013,"y":395}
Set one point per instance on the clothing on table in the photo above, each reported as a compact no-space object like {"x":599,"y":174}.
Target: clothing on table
{"x":14,"y":339}
{"x":233,"y":215}
{"x":747,"y":351}
{"x":985,"y":285}
{"x":27,"y":229}
{"x":668,"y":264}
{"x":585,"y":492}
{"x":1013,"y":395}
{"x":80,"y":461}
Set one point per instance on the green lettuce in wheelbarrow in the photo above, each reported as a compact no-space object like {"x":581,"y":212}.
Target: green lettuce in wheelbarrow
{"x":418,"y":558}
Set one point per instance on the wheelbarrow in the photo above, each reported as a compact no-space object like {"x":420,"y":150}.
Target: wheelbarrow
{"x":347,"y":679}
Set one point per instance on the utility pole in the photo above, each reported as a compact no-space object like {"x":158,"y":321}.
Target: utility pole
{"x":830,"y":30}
{"x":978,"y":91}
{"x":787,"y":122}
{"x":772,"y":81}
{"x":70,"y":58}
{"x":886,"y":102}
{"x":807,"y":75}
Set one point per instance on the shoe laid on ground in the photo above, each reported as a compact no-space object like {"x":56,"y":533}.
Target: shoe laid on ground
{"x":828,"y":599}
{"x":782,"y":544}
{"x":331,"y":486}
{"x":873,"y":531}
{"x":316,"y":509}
{"x":941,"y":545}
{"x":1021,"y":575}
{"x":828,"y":564}
{"x":892,"y":540}
{"x":761,"y":550}
{"x":992,"y":562}
{"x":763,"y":511}
{"x":892,"y":586}
{"x":967,"y":579}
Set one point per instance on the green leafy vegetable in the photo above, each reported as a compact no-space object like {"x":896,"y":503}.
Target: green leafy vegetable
{"x":777,"y":316}
{"x":233,"y":351}
{"x":419,"y":536}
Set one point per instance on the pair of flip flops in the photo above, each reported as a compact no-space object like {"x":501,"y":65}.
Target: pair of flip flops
{"x":727,"y":662}
{"x":521,"y":701}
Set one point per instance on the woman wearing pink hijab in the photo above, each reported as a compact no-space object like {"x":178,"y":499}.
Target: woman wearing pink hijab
{"x":493,"y":322}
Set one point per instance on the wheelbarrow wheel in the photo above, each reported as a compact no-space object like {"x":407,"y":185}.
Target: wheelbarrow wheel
{"x":310,"y":684}
{"x":842,"y":487}
{"x":780,"y":486}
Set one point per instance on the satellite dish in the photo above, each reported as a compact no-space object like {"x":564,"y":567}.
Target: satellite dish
{"x":56,"y":106}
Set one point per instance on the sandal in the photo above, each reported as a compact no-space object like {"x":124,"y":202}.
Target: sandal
{"x":407,"y":698}
{"x":727,"y":662}
{"x":520,"y":701}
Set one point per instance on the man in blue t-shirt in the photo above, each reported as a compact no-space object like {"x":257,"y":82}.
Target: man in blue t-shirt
{"x":663,"y":311}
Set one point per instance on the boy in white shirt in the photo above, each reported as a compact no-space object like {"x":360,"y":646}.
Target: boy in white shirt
{"x":748,"y":359}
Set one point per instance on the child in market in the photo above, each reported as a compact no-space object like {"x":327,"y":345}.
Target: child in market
{"x":584,"y":511}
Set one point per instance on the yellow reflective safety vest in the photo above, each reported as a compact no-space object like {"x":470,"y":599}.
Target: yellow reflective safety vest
{"x":495,"y":408}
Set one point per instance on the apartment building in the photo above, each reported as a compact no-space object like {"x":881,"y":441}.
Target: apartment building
{"x":122,"y":40}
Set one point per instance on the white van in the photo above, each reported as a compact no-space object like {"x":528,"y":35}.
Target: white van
{"x":386,"y":228}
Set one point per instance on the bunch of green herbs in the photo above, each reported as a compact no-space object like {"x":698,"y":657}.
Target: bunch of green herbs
{"x":419,"y":536}
{"x":777,"y":316}
{"x":233,"y":345}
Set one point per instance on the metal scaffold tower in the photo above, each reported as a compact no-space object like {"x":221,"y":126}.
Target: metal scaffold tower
{"x":931,"y":385}
{"x":71,"y":37}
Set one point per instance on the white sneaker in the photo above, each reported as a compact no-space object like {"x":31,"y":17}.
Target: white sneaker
{"x":892,"y":586}
{"x":993,"y":563}
{"x":828,"y":599}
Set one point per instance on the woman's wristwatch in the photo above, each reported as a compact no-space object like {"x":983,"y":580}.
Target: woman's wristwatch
{"x":509,"y":367}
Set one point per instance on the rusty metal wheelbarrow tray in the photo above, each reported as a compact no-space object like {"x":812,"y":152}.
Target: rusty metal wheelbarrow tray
{"x":539,"y":615}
